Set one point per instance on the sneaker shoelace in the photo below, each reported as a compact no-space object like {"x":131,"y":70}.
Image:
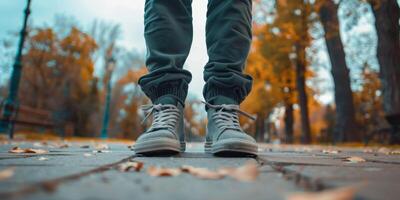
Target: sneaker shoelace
{"x":164,"y":116}
{"x":226,"y":116}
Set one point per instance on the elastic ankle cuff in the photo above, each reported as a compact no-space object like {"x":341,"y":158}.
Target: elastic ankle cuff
{"x":223,"y":96}
{"x":174,"y":89}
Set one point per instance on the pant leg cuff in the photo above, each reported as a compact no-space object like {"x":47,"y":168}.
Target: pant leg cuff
{"x":229,"y":96}
{"x":176,"y":89}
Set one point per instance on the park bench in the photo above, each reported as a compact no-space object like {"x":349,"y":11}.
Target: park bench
{"x":27,"y":116}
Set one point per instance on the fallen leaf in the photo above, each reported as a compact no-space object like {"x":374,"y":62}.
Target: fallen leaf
{"x":101,"y":146}
{"x":6,"y":173}
{"x":330,"y":151}
{"x":345,"y":193}
{"x":37,"y":151}
{"x":160,"y":171}
{"x":101,"y":151}
{"x":38,"y":144}
{"x":247,"y":173}
{"x":29,"y":150}
{"x":202,"y":173}
{"x":384,"y":150}
{"x":3,"y":142}
{"x":302,"y":149}
{"x":16,"y":150}
{"x":130,"y":166}
{"x":354,"y":159}
{"x":42,"y":158}
{"x":395,"y":152}
{"x":62,"y":146}
{"x":368,"y":151}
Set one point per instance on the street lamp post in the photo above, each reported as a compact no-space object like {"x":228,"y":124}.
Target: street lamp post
{"x":106,"y":117}
{"x":11,"y":103}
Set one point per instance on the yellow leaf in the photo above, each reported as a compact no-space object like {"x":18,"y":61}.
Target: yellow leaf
{"x":246,"y":173}
{"x":345,"y":193}
{"x":130,"y":166}
{"x":354,"y":159}
{"x":6,"y":173}
{"x":202,"y":173}
{"x":160,"y":171}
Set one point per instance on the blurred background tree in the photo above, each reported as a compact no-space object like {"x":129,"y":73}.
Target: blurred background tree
{"x":303,"y":50}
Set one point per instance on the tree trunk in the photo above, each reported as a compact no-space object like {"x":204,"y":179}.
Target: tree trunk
{"x":289,"y":119}
{"x":387,"y":26}
{"x":260,"y":129}
{"x":345,"y":127}
{"x":302,"y":94}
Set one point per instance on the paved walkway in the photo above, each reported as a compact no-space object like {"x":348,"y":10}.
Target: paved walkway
{"x":74,"y":171}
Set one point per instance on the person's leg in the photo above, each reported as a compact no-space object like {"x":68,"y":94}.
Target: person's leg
{"x":228,"y":35}
{"x":168,"y":34}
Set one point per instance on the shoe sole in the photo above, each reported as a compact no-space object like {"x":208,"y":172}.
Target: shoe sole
{"x":160,"y":146}
{"x":232,"y":147}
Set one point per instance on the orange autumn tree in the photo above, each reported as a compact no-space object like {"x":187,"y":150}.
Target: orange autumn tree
{"x":264,"y":96}
{"x":368,"y":102}
{"x":126,"y":104}
{"x":58,"y":76}
{"x":279,"y":66}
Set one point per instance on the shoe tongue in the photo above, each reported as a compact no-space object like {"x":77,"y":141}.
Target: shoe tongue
{"x":219,"y":100}
{"x":167,"y":100}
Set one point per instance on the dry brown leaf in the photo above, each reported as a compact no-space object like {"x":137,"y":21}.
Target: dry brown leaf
{"x":384,"y":150}
{"x":202,"y":173}
{"x":37,"y":151}
{"x":38,"y":144}
{"x":247,"y":173}
{"x":4,"y":141}
{"x":354,"y":159}
{"x":395,"y":152}
{"x":16,"y":150}
{"x":368,"y":151}
{"x":330,"y":151}
{"x":29,"y":150}
{"x":101,"y":146}
{"x":160,"y":171}
{"x":62,"y":146}
{"x":6,"y":173}
{"x":130,"y":166}
{"x":42,"y":158}
{"x":345,"y":193}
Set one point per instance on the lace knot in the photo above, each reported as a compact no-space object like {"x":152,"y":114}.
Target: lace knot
{"x":226,"y":116}
{"x":165,"y":116}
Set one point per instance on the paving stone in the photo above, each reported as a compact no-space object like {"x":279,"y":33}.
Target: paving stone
{"x":117,"y":185}
{"x":379,"y":175}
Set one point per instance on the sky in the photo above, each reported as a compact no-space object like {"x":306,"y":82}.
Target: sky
{"x":129,"y":14}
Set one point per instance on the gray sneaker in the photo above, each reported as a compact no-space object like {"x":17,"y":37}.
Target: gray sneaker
{"x":224,"y":134}
{"x":165,"y":136}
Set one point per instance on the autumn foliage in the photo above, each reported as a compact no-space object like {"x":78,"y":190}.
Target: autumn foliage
{"x":285,"y":61}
